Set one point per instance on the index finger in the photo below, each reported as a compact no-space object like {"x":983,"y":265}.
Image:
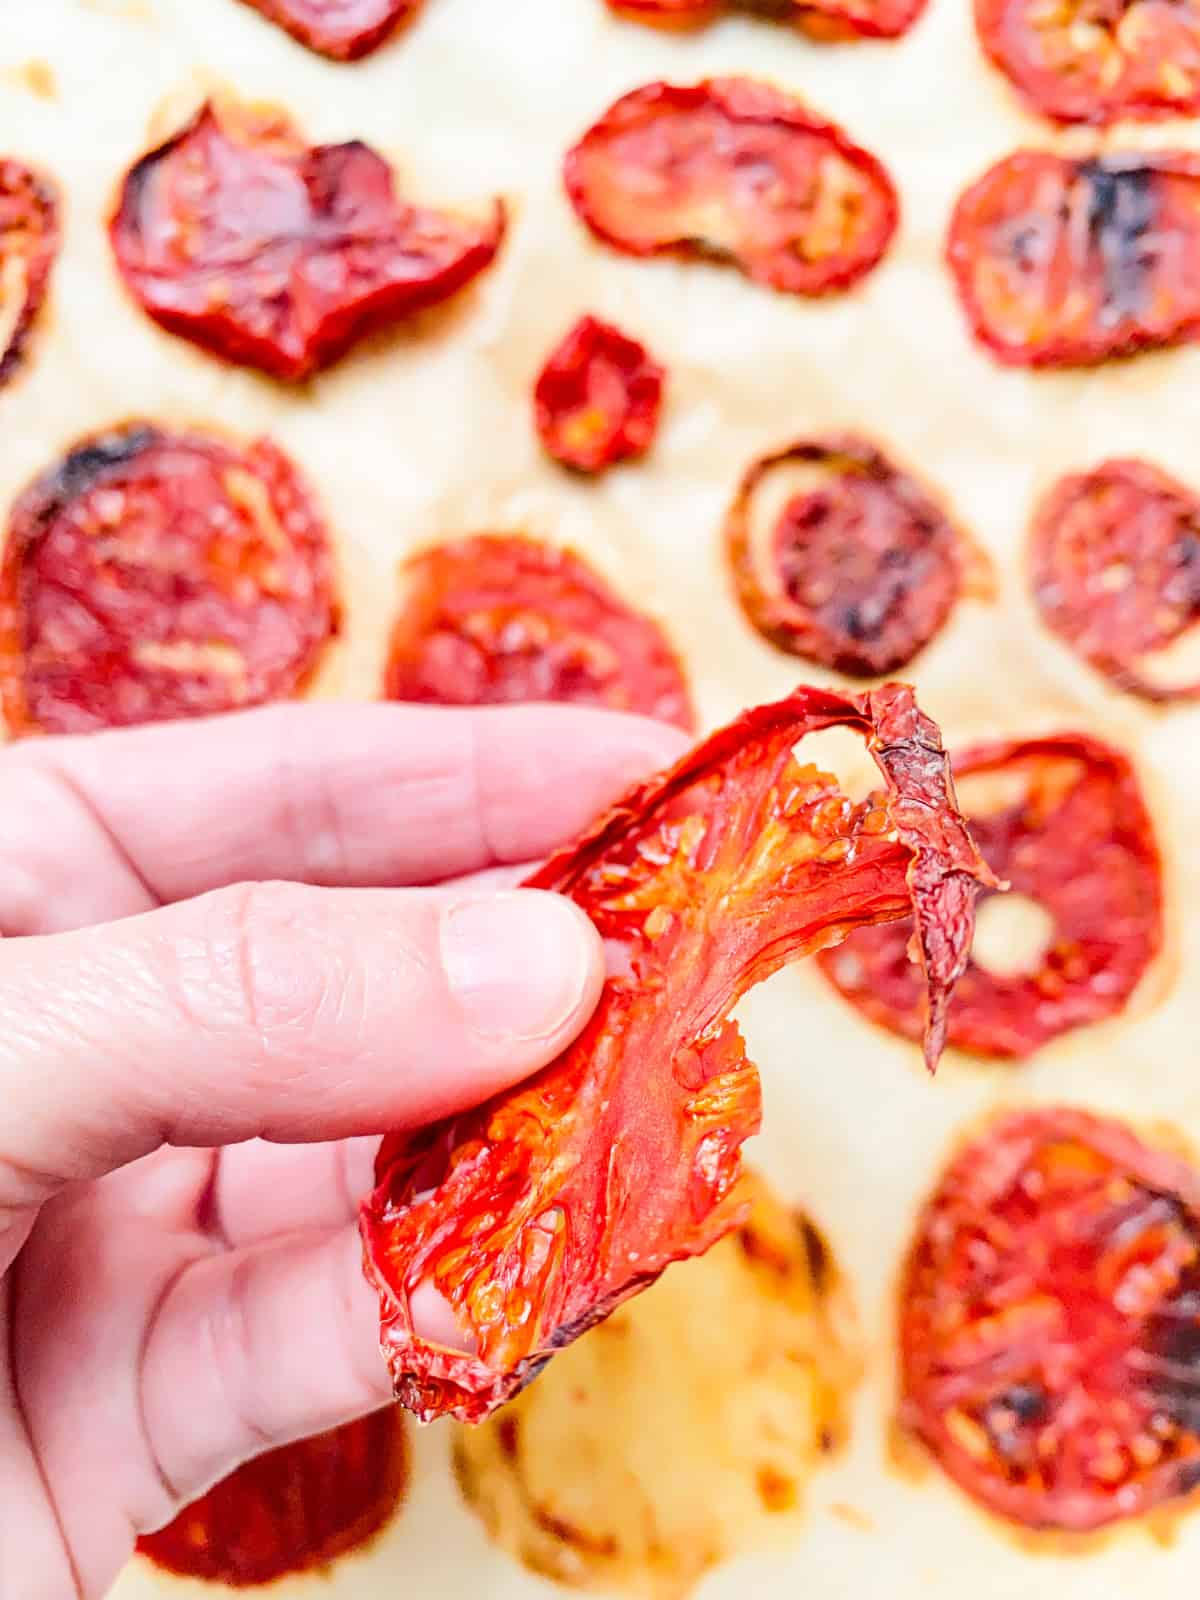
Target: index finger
{"x":105,"y":825}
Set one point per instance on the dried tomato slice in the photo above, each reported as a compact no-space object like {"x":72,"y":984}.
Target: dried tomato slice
{"x":499,"y":618}
{"x":839,"y":557}
{"x":1050,"y":1322}
{"x":344,"y":30}
{"x":1064,"y":262}
{"x":537,"y":1215}
{"x":1115,"y":565}
{"x":150,"y":574}
{"x":598,"y":398}
{"x":1075,"y":838}
{"x":1097,"y":60}
{"x":277,"y":256}
{"x":734,"y":170}
{"x":28,"y":247}
{"x":823,"y":19}
{"x":292,"y":1509}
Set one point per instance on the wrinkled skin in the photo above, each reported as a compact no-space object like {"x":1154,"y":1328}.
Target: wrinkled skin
{"x":538,"y":1215}
{"x":597,"y":399}
{"x":343,"y":30}
{"x":1050,"y":1322}
{"x":499,"y":619}
{"x":29,"y":238}
{"x":274,"y":255}
{"x":1065,"y":262}
{"x":150,"y":575}
{"x":820,"y":19}
{"x":734,"y":170}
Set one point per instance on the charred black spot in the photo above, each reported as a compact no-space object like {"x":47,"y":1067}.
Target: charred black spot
{"x":1026,"y":1401}
{"x":818,"y":1256}
{"x":82,"y":468}
{"x":1121,"y":210}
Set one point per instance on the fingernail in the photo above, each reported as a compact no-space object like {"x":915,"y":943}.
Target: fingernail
{"x":519,"y":963}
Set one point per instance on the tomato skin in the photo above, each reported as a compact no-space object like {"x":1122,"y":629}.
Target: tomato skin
{"x":598,"y":398}
{"x":541,"y":1212}
{"x":830,"y":20}
{"x":1066,"y":262}
{"x":860,"y":568}
{"x":29,"y":240}
{"x":1115,"y":569}
{"x":1079,"y":841}
{"x":326,"y":254}
{"x":1050,"y":1322}
{"x":1094,"y":62}
{"x":150,"y":575}
{"x":682,"y":169}
{"x":337,"y":29}
{"x":291,"y":1510}
{"x":501,"y":619}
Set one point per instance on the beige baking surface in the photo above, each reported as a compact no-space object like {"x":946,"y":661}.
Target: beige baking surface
{"x":428,"y":434}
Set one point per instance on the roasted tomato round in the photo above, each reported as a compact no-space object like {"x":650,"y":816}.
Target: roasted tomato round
{"x":839,"y":557}
{"x":1097,"y":60}
{"x":238,"y":237}
{"x":598,"y":398}
{"x":1062,"y":819}
{"x":292,"y":1509}
{"x":822,"y":19}
{"x":28,"y":247}
{"x":344,"y":30}
{"x":1063,"y":262}
{"x":1050,"y":1322}
{"x":150,"y":574}
{"x":498,"y":618}
{"x":734,"y":170}
{"x":1115,"y":567}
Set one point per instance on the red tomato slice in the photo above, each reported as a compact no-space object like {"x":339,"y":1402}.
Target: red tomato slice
{"x":29,"y":238}
{"x":344,"y":30}
{"x":598,"y":398}
{"x":822,"y":19}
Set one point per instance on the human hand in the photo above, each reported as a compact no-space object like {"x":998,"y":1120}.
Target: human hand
{"x":173,"y":1298}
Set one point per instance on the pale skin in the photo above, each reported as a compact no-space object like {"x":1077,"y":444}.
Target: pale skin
{"x":234,"y":951}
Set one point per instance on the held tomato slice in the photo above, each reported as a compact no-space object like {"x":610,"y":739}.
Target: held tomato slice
{"x":1063,"y":262}
{"x":823,"y":19}
{"x":498,"y":619}
{"x":29,"y":238}
{"x":1070,"y":831}
{"x":277,"y":256}
{"x":734,"y":170}
{"x":344,"y":30}
{"x":1050,"y":1322}
{"x":597,"y":399}
{"x":1115,"y":566}
{"x":537,"y":1215}
{"x":839,"y":557}
{"x":292,"y":1509}
{"x":1097,"y":60}
{"x":150,"y":575}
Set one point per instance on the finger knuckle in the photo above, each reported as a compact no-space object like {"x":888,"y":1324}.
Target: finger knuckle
{"x":267,"y":958}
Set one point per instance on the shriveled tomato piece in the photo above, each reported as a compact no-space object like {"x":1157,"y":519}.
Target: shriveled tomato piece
{"x":824,"y":19}
{"x":839,"y":557}
{"x":150,"y":574}
{"x":1097,"y":60}
{"x":537,"y":1215}
{"x":1115,"y":566}
{"x":499,"y":618}
{"x":734,"y":170}
{"x":28,"y":246}
{"x":598,"y":398}
{"x":1050,"y":1322}
{"x":344,"y":30}
{"x":1064,"y":262}
{"x":238,"y":237}
{"x":1069,"y":830}
{"x":291,"y":1509}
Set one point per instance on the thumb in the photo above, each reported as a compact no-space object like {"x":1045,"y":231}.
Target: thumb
{"x":276,"y":1010}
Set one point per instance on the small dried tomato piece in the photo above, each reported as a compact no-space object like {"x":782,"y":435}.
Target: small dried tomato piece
{"x":292,"y":1509}
{"x":839,"y":557}
{"x":277,"y":256}
{"x":1075,"y":838}
{"x":598,"y":398}
{"x":1097,"y":60}
{"x":498,"y":619}
{"x":150,"y":574}
{"x":734,"y":170}
{"x":1064,"y":262}
{"x":1050,"y":1322}
{"x":28,"y":247}
{"x":1115,"y":564}
{"x":537,"y":1215}
{"x":344,"y":30}
{"x":823,"y":19}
